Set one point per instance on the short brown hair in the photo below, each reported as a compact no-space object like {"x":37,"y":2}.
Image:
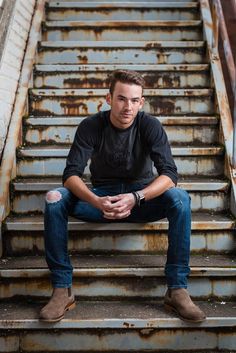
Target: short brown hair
{"x":125,"y":76}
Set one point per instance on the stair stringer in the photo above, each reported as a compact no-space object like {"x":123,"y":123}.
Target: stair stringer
{"x":221,"y":97}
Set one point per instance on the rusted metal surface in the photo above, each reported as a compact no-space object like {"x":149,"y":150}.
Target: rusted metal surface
{"x":8,"y":167}
{"x":122,"y":52}
{"x":115,"y":284}
{"x":201,"y":201}
{"x":192,"y":135}
{"x":97,"y":76}
{"x":22,"y":242}
{"x":222,"y":100}
{"x":130,"y":30}
{"x":214,"y":264}
{"x":200,"y":221}
{"x":82,"y":102}
{"x":50,"y":161}
{"x":220,"y":25}
{"x":117,"y":11}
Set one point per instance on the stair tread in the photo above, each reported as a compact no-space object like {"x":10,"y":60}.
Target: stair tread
{"x":97,"y":4}
{"x":113,"y":314}
{"x":211,"y":262}
{"x":58,"y":151}
{"x":121,"y":23}
{"x":102,"y":92}
{"x":200,"y":220}
{"x":165,"y":120}
{"x":112,"y":67}
{"x":121,"y":44}
{"x":39,"y":184}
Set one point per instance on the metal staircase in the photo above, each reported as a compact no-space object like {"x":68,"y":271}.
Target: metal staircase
{"x":119,"y":268}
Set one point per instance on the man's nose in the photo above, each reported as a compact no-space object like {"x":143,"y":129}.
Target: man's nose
{"x":128,"y":104}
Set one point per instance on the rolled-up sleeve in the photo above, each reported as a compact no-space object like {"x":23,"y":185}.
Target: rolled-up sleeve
{"x":79,"y":154}
{"x":160,"y":151}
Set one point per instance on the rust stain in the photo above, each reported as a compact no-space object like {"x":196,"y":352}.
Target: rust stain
{"x":100,"y":106}
{"x":156,"y":242}
{"x":74,"y":108}
{"x":82,"y":59}
{"x":162,"y":107}
{"x":152,"y":45}
{"x":85,"y":83}
{"x":128,"y":325}
{"x":146,"y":333}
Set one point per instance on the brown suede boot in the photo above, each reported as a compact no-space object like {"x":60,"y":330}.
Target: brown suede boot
{"x":61,"y":301}
{"x":179,"y":301}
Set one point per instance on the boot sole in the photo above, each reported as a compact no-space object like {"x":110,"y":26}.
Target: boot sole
{"x":67,"y":308}
{"x":170,"y":308}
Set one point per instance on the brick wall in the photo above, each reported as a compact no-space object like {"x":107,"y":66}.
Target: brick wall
{"x":12,"y":56}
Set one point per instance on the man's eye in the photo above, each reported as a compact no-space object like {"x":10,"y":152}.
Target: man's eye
{"x":135,"y":101}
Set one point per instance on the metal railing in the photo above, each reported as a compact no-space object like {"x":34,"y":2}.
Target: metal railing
{"x":219,"y":28}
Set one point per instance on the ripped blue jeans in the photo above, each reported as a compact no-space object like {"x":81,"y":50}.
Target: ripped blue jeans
{"x":174,"y":204}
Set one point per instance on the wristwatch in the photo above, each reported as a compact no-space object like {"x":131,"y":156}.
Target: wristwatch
{"x":139,"y":198}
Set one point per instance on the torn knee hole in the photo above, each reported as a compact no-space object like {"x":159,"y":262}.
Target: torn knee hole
{"x":53,"y":196}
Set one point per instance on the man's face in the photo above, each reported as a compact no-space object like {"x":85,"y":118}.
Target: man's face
{"x":125,"y":103}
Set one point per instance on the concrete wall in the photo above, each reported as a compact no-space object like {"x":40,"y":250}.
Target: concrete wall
{"x":16,"y":20}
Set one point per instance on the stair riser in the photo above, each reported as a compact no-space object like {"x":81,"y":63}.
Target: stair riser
{"x":97,"y":242}
{"x":114,"y":34}
{"x":176,"y":134}
{"x":26,"y":203}
{"x":187,"y":166}
{"x":111,"y":14}
{"x":77,"y":106}
{"x":112,"y":340}
{"x":98,"y":79}
{"x":119,"y":287}
{"x":121,"y":56}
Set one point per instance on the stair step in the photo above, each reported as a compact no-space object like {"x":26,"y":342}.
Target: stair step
{"x":120,"y":276}
{"x":125,"y":265}
{"x":205,"y":195}
{"x":111,"y":314}
{"x":204,"y":184}
{"x":121,"y":321}
{"x":84,"y":101}
{"x":114,"y":30}
{"x":202,"y":220}
{"x":50,"y":161}
{"x":94,"y":76}
{"x":210,"y":234}
{"x":180,"y":130}
{"x":121,"y":52}
{"x":72,"y":11}
{"x":159,"y":4}
{"x":55,"y":151}
{"x":165,"y":120}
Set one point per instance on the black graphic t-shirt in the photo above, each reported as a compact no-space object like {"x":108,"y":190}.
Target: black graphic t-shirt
{"x":120,"y":155}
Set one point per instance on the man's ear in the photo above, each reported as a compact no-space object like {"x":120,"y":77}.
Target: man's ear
{"x":108,"y":98}
{"x":142,"y":101}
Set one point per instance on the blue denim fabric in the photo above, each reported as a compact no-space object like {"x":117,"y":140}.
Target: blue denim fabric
{"x":173,"y":204}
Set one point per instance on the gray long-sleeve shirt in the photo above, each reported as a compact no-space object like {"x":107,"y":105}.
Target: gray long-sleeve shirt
{"x":120,"y":155}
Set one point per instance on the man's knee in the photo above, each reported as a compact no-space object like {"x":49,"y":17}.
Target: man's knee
{"x":178,"y":198}
{"x":53,"y":196}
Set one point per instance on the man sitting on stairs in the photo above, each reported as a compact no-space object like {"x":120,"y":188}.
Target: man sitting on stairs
{"x":122,"y":144}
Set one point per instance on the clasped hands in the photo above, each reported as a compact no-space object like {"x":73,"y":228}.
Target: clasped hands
{"x":118,"y":206}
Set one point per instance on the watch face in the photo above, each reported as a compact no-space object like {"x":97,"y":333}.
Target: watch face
{"x":141,"y":198}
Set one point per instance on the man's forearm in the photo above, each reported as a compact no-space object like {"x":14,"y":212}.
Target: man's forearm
{"x":157,"y":187}
{"x":76,"y":185}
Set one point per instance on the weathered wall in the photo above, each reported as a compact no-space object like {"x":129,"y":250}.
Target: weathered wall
{"x":16,"y":21}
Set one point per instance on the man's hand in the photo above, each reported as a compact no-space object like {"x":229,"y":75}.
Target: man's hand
{"x":118,"y":206}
